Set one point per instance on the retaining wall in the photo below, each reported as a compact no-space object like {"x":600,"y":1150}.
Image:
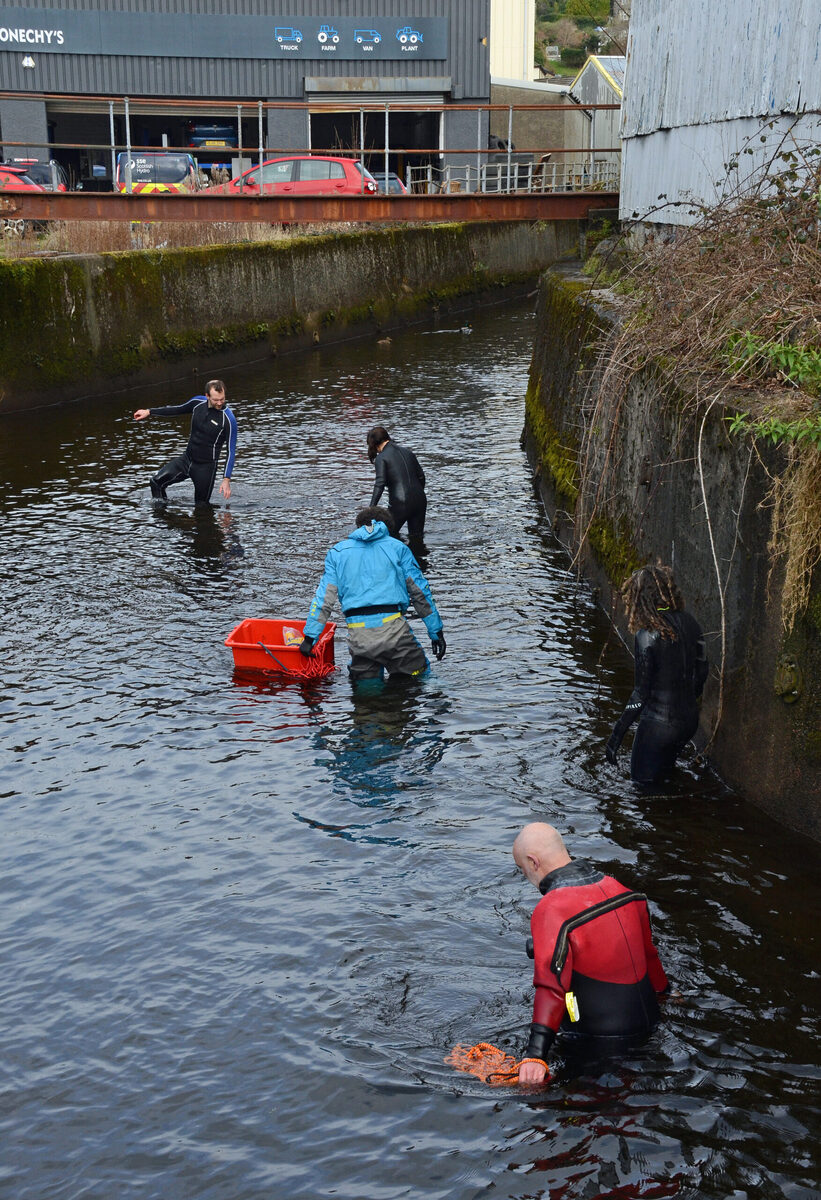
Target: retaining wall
{"x":641,"y":500}
{"x":84,"y":325}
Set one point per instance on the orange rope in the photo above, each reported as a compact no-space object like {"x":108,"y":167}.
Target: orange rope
{"x":488,"y":1063}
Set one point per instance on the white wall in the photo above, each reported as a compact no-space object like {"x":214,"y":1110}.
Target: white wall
{"x":706,"y":81}
{"x":512,"y":33}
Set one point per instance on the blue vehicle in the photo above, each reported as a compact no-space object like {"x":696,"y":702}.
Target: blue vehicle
{"x":367,"y":35}
{"x":407,"y":35}
{"x":284,"y":33}
{"x":327,"y":33}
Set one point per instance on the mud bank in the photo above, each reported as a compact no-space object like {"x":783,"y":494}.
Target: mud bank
{"x":658,"y":479}
{"x":85,"y":325}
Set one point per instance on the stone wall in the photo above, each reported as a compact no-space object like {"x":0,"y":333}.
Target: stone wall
{"x":638,"y":498}
{"x":72,"y":327}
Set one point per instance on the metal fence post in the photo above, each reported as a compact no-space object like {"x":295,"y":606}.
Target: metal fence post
{"x":509,"y":143}
{"x":113,"y":146}
{"x":362,"y":149}
{"x":127,"y":146}
{"x":478,"y":146}
{"x":387,"y":146}
{"x":261,"y":152}
{"x":239,"y":143}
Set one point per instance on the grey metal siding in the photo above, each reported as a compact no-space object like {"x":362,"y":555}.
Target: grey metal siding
{"x":467,"y":64}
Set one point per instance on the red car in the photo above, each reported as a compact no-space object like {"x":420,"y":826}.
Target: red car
{"x":305,"y":175}
{"x":15,"y":179}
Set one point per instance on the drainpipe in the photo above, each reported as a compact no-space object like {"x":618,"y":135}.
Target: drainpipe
{"x":387,"y":146}
{"x":261,"y":152}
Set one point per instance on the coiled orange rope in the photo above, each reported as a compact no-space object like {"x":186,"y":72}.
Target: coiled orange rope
{"x":488,"y":1063}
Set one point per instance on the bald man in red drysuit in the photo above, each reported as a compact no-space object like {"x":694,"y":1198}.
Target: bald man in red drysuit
{"x":596,"y":969}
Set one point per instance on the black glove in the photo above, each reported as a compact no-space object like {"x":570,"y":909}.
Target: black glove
{"x":612,"y":748}
{"x":437,"y":645}
{"x":306,"y":647}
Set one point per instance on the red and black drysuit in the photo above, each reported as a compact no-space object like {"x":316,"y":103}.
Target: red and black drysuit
{"x":591,"y":937}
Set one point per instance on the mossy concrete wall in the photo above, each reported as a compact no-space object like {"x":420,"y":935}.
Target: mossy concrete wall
{"x":79,"y":326}
{"x":637,"y":497}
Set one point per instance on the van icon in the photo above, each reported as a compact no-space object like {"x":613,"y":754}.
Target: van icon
{"x":285,"y":33}
{"x":327,"y":33}
{"x":367,"y":35}
{"x":407,"y":34}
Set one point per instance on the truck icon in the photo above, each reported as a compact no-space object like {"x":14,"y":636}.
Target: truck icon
{"x":407,"y":34}
{"x":367,"y":35}
{"x":284,"y":33}
{"x":327,"y":33}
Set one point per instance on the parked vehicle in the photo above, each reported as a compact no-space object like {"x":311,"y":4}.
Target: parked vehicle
{"x":286,"y":33}
{"x":389,"y":184}
{"x":158,"y":171}
{"x":50,"y":175}
{"x":305,"y":175}
{"x":327,"y":33}
{"x":367,"y":35}
{"x":15,"y":178}
{"x":409,"y":35}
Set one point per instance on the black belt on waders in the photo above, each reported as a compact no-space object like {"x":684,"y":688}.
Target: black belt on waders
{"x":370,"y":610}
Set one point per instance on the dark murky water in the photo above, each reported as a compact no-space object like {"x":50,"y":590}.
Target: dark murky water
{"x":243,"y":925}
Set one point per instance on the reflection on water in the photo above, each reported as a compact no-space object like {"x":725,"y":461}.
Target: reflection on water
{"x":245,"y":920}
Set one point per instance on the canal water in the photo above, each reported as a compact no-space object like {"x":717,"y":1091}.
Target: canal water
{"x":243,"y":924}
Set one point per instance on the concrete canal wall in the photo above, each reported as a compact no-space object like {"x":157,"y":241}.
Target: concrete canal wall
{"x":85,"y":325}
{"x":631,"y":481}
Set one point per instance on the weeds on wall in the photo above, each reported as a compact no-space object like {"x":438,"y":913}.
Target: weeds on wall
{"x":98,"y":237}
{"x":730,"y":308}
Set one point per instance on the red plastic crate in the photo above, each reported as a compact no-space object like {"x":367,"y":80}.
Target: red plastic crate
{"x":281,"y":655}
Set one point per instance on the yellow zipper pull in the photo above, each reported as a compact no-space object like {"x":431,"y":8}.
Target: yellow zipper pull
{"x":572,"y":1006}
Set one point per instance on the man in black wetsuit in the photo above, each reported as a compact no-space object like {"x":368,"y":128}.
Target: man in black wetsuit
{"x":398,"y":470}
{"x":213,"y":425}
{"x":596,"y":969}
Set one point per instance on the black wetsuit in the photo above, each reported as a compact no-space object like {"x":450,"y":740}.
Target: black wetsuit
{"x":670,"y":676}
{"x":211,"y":428}
{"x":398,"y":470}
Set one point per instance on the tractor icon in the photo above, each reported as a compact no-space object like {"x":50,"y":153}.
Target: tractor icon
{"x":285,"y":33}
{"x":407,"y":34}
{"x":367,"y":35}
{"x":327,"y":33}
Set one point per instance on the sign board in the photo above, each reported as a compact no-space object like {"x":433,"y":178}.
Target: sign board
{"x":180,"y":35}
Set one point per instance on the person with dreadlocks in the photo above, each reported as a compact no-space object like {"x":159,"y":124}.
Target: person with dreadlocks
{"x":671,"y":669}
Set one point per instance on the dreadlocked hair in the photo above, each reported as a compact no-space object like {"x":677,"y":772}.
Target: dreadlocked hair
{"x":647,"y":591}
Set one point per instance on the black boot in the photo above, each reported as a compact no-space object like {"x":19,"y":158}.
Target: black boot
{"x":157,"y":490}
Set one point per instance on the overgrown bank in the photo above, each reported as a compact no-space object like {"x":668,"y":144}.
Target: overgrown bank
{"x":635,"y":470}
{"x":85,"y":325}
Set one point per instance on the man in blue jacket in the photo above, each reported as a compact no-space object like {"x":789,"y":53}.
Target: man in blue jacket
{"x":375,"y":577}
{"x":213,"y":426}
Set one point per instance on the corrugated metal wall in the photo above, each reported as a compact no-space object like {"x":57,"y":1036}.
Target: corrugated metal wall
{"x":706,"y":81}
{"x":468,"y":64}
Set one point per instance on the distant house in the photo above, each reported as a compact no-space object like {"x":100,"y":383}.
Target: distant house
{"x":601,"y":81}
{"x":700,"y":125}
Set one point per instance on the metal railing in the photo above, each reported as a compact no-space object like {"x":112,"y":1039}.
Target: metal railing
{"x":429,"y":170}
{"x":569,"y":175}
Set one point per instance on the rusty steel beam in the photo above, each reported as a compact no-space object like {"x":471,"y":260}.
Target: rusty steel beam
{"x":206,"y":206}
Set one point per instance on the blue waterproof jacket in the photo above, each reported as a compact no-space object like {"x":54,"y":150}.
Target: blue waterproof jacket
{"x":369,"y":568}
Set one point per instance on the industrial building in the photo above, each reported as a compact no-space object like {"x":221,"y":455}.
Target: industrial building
{"x":692,"y":136}
{"x":290,"y":77}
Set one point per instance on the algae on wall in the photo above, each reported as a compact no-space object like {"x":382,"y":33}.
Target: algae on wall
{"x":628,"y":475}
{"x":75,"y":326}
